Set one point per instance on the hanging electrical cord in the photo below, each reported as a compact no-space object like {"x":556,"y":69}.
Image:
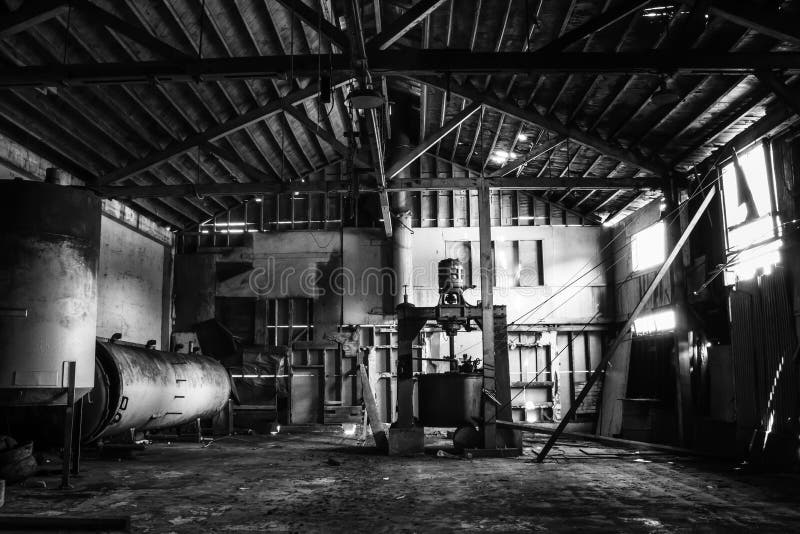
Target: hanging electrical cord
{"x":669,"y":218}
{"x":532,"y":380}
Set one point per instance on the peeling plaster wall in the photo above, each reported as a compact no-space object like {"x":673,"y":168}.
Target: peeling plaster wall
{"x":304,"y":264}
{"x":130,"y":284}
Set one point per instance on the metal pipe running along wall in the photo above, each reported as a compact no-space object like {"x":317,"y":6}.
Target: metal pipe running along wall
{"x":144,"y":389}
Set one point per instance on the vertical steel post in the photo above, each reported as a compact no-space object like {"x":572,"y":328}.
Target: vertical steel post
{"x":487,"y":313}
{"x":69,"y":415}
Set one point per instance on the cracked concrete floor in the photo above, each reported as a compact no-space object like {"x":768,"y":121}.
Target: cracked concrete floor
{"x":286,"y":483}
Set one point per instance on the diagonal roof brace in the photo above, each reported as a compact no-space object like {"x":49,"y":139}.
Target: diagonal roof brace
{"x":216,"y":132}
{"x":754,"y":18}
{"x":317,"y":21}
{"x":550,"y":123}
{"x":323,"y":134}
{"x":432,"y":139}
{"x":30,"y":14}
{"x":600,"y":22}
{"x":404,"y":24}
{"x":537,"y":151}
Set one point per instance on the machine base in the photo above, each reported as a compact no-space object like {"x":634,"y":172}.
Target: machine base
{"x":405,"y":441}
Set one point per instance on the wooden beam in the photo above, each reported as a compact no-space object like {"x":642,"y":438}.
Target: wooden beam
{"x":321,"y":132}
{"x":550,"y":123}
{"x":139,"y":34}
{"x":252,"y":172}
{"x":787,"y":94}
{"x":432,"y":139}
{"x":30,"y":14}
{"x":766,"y":125}
{"x":318,"y":22}
{"x":602,"y":21}
{"x":403,"y":24}
{"x":599,"y":370}
{"x":535,"y":152}
{"x":412,"y":62}
{"x":373,"y":414}
{"x":398,"y":184}
{"x":213,"y":133}
{"x":775,"y":25}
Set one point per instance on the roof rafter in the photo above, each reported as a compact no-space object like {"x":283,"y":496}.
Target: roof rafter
{"x":213,"y":133}
{"x":602,"y":21}
{"x":754,"y":18}
{"x":778,"y":86}
{"x":403,"y":24}
{"x":322,"y":133}
{"x":138,"y":34}
{"x":554,"y":125}
{"x":432,"y":139}
{"x":535,"y":152}
{"x":316,"y":20}
{"x":30,"y":14}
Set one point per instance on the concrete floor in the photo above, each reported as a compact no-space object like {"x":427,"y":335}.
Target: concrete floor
{"x":286,"y":483}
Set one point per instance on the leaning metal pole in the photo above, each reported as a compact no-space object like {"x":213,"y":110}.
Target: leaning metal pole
{"x":623,"y":332}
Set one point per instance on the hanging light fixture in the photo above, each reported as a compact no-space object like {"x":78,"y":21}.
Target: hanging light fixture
{"x":365,"y":98}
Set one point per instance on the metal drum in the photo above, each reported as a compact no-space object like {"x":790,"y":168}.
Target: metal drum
{"x":149,"y":389}
{"x":50,"y":242}
{"x":450,"y":399}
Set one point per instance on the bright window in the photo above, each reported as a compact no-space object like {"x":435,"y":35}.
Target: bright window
{"x":648,"y":247}
{"x":655,"y":323}
{"x":752,"y":225}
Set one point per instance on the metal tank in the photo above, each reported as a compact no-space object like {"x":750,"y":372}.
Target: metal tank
{"x":149,"y":389}
{"x":50,"y":242}
{"x":450,"y":399}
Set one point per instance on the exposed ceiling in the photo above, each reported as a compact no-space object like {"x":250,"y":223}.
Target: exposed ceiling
{"x":139,"y":93}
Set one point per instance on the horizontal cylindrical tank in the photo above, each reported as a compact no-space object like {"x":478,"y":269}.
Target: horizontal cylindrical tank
{"x":150,"y":389}
{"x":450,"y":399}
{"x":50,"y":243}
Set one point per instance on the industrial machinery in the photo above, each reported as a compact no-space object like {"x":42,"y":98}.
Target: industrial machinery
{"x":459,"y":398}
{"x":144,"y":389}
{"x":50,"y":238}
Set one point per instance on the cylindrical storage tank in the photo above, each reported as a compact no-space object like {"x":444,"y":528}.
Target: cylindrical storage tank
{"x":449,"y":399}
{"x":150,"y":389}
{"x":50,"y":242}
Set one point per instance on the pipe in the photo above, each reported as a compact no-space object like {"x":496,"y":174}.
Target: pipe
{"x":399,"y":146}
{"x":144,"y":389}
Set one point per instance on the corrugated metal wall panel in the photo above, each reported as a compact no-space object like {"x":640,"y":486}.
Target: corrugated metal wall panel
{"x":763,"y":346}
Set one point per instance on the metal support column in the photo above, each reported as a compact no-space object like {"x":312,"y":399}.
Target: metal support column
{"x":487,"y":314}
